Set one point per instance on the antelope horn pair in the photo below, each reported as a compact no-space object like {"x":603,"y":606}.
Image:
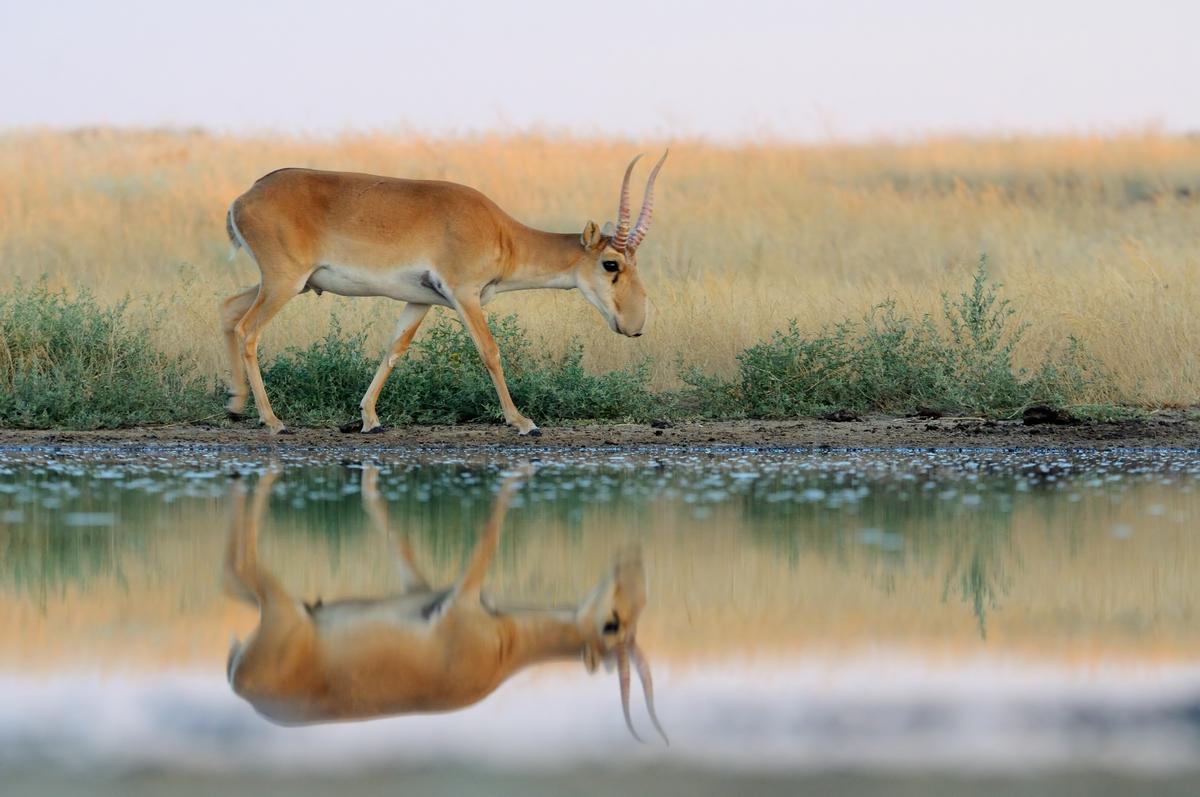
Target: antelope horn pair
{"x":629,"y":650}
{"x":626,"y":240}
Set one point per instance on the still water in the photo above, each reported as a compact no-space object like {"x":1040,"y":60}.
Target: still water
{"x":868,"y":622}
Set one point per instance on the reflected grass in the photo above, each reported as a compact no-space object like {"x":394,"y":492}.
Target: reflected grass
{"x":802,"y":555}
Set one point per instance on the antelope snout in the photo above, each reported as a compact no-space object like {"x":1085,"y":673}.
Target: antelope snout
{"x":629,"y":330}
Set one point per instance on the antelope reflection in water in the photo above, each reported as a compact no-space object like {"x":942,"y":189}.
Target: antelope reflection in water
{"x":421,"y":649}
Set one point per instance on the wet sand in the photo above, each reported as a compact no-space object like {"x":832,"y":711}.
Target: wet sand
{"x":1165,"y":429}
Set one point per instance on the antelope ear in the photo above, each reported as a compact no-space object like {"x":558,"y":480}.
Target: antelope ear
{"x":591,"y":658}
{"x":590,"y":237}
{"x":608,"y":230}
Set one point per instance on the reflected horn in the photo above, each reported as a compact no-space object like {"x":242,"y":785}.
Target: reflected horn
{"x":623,"y":677}
{"x":643,"y":671}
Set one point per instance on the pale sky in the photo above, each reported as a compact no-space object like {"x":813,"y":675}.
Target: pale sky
{"x":721,"y":70}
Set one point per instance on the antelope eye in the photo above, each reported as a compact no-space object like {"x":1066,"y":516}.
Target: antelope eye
{"x":611,"y":266}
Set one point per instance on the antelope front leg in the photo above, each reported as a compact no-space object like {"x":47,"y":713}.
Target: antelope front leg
{"x":472,"y":316}
{"x":406,"y":327}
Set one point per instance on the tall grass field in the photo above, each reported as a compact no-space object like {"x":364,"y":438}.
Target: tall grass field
{"x":783,"y":279}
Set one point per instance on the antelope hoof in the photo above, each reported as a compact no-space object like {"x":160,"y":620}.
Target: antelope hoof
{"x":280,"y":430}
{"x":526,"y":427}
{"x":234,"y":407}
{"x":374,"y":430}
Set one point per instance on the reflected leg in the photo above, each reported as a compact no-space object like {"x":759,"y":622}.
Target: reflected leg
{"x":411,"y":579}
{"x":471,"y":581}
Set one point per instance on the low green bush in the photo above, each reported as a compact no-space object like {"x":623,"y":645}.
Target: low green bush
{"x":442,"y":380}
{"x":893,"y":363}
{"x":68,"y":362}
{"x":72,"y":363}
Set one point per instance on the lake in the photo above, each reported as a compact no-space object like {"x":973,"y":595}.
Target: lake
{"x":858,"y":622}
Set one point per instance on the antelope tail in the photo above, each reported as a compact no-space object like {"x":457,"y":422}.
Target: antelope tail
{"x":235,"y":649}
{"x":236,"y":241}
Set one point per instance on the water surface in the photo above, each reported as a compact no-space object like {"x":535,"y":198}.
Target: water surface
{"x":919,"y":613}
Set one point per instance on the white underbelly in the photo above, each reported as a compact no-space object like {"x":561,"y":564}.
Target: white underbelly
{"x":407,"y":283}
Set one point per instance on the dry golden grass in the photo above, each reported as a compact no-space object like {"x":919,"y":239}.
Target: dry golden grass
{"x":1094,"y":237}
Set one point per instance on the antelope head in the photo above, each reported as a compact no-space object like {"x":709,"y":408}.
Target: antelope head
{"x":613,"y":611}
{"x":608,"y":274}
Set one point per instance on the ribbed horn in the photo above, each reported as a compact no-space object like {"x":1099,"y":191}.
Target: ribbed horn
{"x":643,"y":222}
{"x":622,"y":236}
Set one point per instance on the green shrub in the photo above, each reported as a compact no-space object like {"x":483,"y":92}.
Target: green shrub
{"x":442,"y":380}
{"x":892,"y":363}
{"x":70,"y":363}
{"x":321,"y":383}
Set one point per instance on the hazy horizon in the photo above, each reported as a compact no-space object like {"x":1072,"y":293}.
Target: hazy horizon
{"x":807,"y":72}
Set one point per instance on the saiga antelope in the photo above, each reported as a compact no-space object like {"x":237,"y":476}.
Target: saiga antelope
{"x":421,"y":649}
{"x":423,"y":242}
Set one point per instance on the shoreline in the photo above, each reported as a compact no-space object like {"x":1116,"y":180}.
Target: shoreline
{"x":1164,"y":429}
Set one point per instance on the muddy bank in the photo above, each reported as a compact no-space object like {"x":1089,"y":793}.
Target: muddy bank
{"x":1177,"y":429}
